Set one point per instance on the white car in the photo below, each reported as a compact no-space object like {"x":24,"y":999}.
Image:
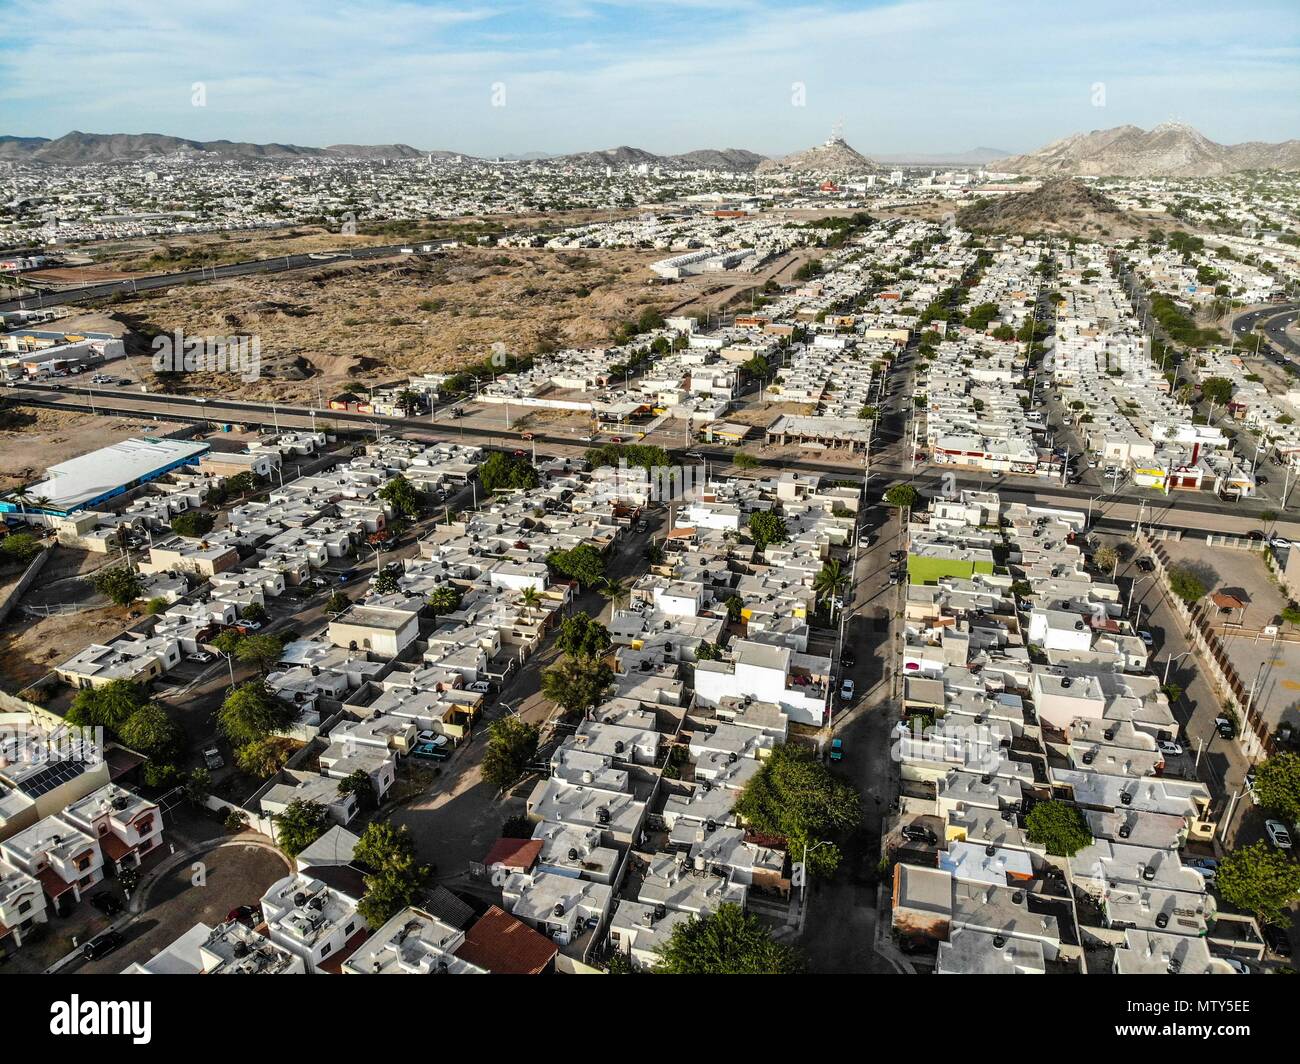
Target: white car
{"x":479,"y":687}
{"x":1279,"y":542}
{"x":201,"y":657}
{"x":1278,"y":834}
{"x":1170,"y":748}
{"x":1237,"y":966}
{"x":846,"y":690}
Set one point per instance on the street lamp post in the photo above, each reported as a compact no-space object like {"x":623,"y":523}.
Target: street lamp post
{"x":1170,"y":662}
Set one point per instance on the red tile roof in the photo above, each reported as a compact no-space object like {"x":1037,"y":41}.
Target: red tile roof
{"x":514,"y":853}
{"x":506,"y":946}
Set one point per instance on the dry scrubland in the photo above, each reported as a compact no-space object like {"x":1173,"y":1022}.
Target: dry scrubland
{"x":358,"y":323}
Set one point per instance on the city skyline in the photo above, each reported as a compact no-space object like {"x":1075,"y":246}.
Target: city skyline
{"x":490,"y":79}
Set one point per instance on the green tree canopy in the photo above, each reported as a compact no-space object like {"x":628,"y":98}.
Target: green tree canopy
{"x":511,"y":747}
{"x":902,"y":496}
{"x":384,"y":583}
{"x":767,"y":528}
{"x":361,"y":787}
{"x":22,"y":547}
{"x":150,"y":731}
{"x":1217,"y":389}
{"x":577,"y":684}
{"x":192,"y":524}
{"x":251,"y":712}
{"x":393,"y":875}
{"x":301,"y":824}
{"x":1260,"y":880}
{"x":1186,"y":584}
{"x":582,"y":563}
{"x":109,"y":706}
{"x":1059,"y":826}
{"x":726,"y":942}
{"x":501,"y":472}
{"x":1277,"y":785}
{"x":402,"y":496}
{"x":260,"y":651}
{"x":264,"y":757}
{"x":795,"y":795}
{"x":583,"y":637}
{"x":121,"y":585}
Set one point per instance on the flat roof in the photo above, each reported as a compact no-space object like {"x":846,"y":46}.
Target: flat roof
{"x":89,"y":478}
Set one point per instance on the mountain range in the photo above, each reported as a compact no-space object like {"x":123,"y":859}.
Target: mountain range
{"x":1171,"y":149}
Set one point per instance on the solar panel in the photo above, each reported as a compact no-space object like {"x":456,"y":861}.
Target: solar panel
{"x":51,"y":776}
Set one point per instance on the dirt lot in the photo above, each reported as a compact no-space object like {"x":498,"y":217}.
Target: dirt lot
{"x":33,"y":439}
{"x":355,"y":324}
{"x":31,"y":647}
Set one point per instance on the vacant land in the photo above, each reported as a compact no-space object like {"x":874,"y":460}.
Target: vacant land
{"x":357,"y":324}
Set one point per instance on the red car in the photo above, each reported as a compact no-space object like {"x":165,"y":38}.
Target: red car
{"x":617,"y":439}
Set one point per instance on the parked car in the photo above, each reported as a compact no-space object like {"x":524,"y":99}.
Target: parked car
{"x":847,"y":659}
{"x":1278,"y":834}
{"x":102,"y":945}
{"x":1210,"y":875}
{"x":212,"y":758}
{"x":1146,"y":565}
{"x":640,"y":526}
{"x":1147,"y":638}
{"x":846,"y":690}
{"x":1236,"y":965}
{"x":916,"y":833}
{"x":430,"y":751}
{"x":1202,"y":862}
{"x":837,"y":750}
{"x":1276,"y":939}
{"x":248,"y":915}
{"x":894,"y":578}
{"x":1278,"y":543}
{"x":1225,"y":728}
{"x":108,"y":904}
{"x":199,"y":657}
{"x":1171,"y":748}
{"x":479,"y":687}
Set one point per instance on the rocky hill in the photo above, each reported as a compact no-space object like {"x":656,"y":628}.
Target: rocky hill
{"x":1169,"y":150}
{"x":834,"y":156}
{"x":81,"y":149}
{"x":1059,"y":205}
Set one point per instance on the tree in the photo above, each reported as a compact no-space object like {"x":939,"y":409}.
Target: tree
{"x":110,"y":706}
{"x":745,"y":460}
{"x":577,"y":684}
{"x":402,"y":496}
{"x":735,"y":608}
{"x":155,"y":606}
{"x":1291,"y":614}
{"x":1277,"y":785}
{"x":385,"y":583}
{"x":192,"y":524}
{"x":767,"y":528}
{"x":260,"y":651}
{"x":150,"y":731}
{"x":902,"y":497}
{"x":1217,"y":389}
{"x":1105,"y":559}
{"x":505,"y":472}
{"x":394,"y":878}
{"x":443,"y":601}
{"x":198,"y":785}
{"x":530,"y":598}
{"x":582,"y":637}
{"x":1186,"y":584}
{"x":251,"y":712}
{"x":726,"y":942}
{"x":794,"y":795}
{"x":301,"y":824}
{"x":831,"y":580}
{"x":337,"y":603}
{"x":255,"y":612}
{"x":359,"y":785}
{"x":511,"y":747}
{"x":22,"y":547}
{"x":1059,"y":826}
{"x":582,"y":563}
{"x":1260,"y":880}
{"x":264,"y":757}
{"x":121,"y":585}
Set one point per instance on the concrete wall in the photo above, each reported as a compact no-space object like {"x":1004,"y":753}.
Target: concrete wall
{"x":24,"y":582}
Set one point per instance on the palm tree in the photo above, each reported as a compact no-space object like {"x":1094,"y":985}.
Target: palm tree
{"x":443,"y":601}
{"x":830,"y":580}
{"x":530,"y":597}
{"x":618,"y":592}
{"x":22,"y":496}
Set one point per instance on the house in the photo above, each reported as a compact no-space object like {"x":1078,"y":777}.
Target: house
{"x":126,"y":825}
{"x":502,"y":945}
{"x":412,"y":942}
{"x":315,"y":922}
{"x":66,"y":860}
{"x":227,"y":949}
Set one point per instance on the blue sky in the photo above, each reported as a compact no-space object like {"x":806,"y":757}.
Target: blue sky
{"x":672,"y":75}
